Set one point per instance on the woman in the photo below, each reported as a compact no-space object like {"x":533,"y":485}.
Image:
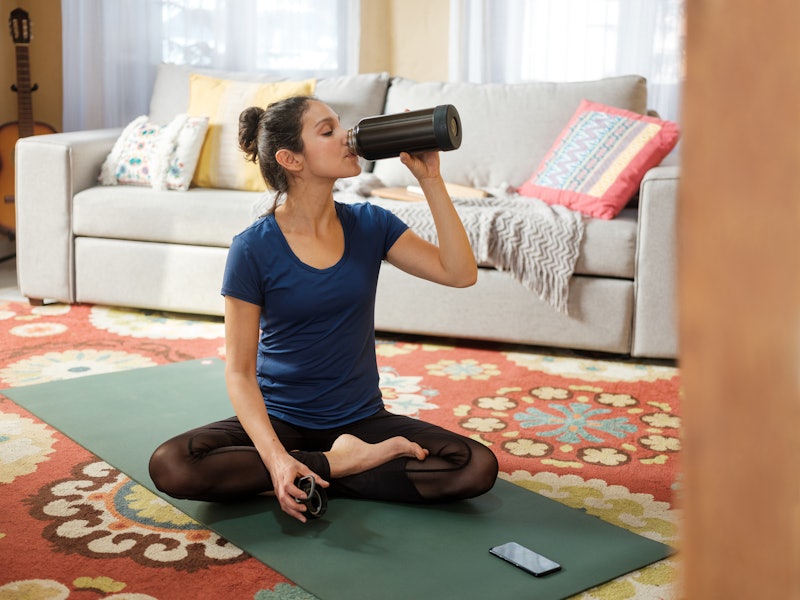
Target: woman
{"x":301,"y":371}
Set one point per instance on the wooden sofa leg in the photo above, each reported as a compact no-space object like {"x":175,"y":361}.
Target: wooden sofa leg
{"x":36,"y":301}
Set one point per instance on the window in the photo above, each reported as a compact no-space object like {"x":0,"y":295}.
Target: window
{"x":111,"y":49}
{"x":291,"y":38}
{"x":571,"y":40}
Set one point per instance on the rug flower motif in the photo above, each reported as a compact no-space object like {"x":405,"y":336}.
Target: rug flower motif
{"x":592,"y":370}
{"x":404,"y":395}
{"x":155,"y":325}
{"x":100,"y":512}
{"x":614,"y":420}
{"x":54,"y":366}
{"x":24,"y":443}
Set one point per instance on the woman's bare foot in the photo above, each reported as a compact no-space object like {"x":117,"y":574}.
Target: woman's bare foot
{"x":350,"y":455}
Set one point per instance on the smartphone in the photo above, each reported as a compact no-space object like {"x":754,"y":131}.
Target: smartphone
{"x":525,"y":558}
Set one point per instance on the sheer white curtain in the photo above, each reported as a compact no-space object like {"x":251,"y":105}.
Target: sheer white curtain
{"x":111,"y":49}
{"x":512,"y":41}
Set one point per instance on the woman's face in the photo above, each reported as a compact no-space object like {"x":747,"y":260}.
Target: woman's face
{"x":326,"y":153}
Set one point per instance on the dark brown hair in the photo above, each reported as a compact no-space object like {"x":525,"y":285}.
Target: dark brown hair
{"x":263,"y":132}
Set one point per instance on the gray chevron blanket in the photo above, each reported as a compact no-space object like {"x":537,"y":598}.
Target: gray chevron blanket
{"x":537,"y":243}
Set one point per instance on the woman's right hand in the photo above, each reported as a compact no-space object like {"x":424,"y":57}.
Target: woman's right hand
{"x":284,"y":471}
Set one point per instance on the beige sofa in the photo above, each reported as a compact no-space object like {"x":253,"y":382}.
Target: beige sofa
{"x":79,"y":241}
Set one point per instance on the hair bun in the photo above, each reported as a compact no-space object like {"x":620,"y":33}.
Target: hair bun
{"x":248,"y":131}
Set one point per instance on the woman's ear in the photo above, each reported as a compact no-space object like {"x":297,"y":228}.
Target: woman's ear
{"x":289,"y":160}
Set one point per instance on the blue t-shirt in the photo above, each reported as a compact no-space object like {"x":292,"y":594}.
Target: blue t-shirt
{"x":316,"y":354}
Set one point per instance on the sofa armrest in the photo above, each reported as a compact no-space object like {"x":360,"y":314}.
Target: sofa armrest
{"x":50,"y":170}
{"x":655,"y":322}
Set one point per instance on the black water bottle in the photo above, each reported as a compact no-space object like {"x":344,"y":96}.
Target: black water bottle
{"x":385,"y":136}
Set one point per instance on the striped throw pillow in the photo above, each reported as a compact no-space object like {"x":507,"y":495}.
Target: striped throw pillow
{"x":598,"y":161}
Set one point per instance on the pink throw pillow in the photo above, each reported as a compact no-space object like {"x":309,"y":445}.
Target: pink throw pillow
{"x":598,"y":161}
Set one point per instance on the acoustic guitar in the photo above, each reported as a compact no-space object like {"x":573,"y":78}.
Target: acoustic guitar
{"x":24,"y":127}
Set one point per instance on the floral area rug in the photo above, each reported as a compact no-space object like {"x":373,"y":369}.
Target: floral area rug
{"x":597,"y":434}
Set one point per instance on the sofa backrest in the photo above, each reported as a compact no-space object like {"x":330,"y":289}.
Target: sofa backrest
{"x":353,"y":97}
{"x":507,"y":128}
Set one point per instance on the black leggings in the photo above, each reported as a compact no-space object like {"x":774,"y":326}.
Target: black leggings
{"x":218,"y":462}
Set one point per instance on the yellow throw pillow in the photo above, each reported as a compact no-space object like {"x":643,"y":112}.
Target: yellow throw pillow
{"x":222,"y":164}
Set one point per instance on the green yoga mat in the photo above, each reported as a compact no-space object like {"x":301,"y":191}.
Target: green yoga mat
{"x":359,"y":549}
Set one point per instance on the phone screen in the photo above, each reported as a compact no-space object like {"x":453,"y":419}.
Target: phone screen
{"x":525,"y":559}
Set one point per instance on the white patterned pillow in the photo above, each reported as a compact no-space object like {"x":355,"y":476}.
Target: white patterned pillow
{"x":161,"y":156}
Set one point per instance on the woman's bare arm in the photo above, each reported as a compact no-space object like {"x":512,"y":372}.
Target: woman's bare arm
{"x":452,"y":262}
{"x":241,"y":346}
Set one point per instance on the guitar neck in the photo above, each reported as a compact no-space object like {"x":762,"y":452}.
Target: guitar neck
{"x":24,"y":102}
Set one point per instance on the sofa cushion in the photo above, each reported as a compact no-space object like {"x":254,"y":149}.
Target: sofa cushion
{"x":156,"y":155}
{"x":222,"y":164}
{"x":208,"y":217}
{"x":599,"y":159}
{"x":353,"y":97}
{"x":608,"y":248}
{"x":508,"y":128}
{"x":202,"y":217}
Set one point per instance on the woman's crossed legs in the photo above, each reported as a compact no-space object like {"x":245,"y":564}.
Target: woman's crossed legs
{"x":218,"y":462}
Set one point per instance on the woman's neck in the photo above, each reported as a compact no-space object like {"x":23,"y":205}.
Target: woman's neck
{"x":311,"y":227}
{"x":307,"y":208}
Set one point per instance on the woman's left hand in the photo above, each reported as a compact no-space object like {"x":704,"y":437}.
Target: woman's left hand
{"x":424,"y":165}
